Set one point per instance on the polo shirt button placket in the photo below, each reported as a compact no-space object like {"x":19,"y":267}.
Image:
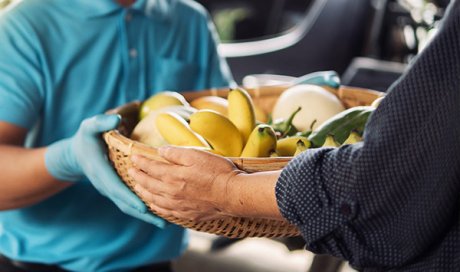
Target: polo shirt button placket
{"x":133,"y":53}
{"x":128,"y":17}
{"x":132,"y":95}
{"x":132,"y":62}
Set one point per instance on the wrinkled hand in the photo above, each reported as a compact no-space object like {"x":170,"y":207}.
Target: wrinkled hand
{"x":192,"y":186}
{"x":84,"y":154}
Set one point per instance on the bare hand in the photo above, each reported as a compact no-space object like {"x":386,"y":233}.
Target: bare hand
{"x":192,"y":186}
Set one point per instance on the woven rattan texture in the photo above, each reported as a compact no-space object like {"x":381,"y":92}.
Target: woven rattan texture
{"x":231,"y":227}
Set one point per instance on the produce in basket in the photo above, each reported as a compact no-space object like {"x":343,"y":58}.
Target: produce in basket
{"x":220,"y":104}
{"x":219,"y":131}
{"x":338,"y":128}
{"x":261,"y":142}
{"x":146,"y":130}
{"x":300,"y":147}
{"x":284,"y":126}
{"x":241,"y":111}
{"x":288,"y":146}
{"x":160,"y":100}
{"x":176,"y":131}
{"x":236,"y":134}
{"x":121,"y":148}
{"x":330,"y":142}
{"x":211,"y":102}
{"x":353,"y":138}
{"x":316,"y":102}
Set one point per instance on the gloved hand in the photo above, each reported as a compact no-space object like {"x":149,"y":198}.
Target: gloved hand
{"x":84,"y":154}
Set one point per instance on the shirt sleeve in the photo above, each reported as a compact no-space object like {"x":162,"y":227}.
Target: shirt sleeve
{"x":389,"y":200}
{"x":20,"y":72}
{"x":216,"y":71}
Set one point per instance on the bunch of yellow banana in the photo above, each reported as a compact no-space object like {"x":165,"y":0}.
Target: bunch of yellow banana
{"x":261,"y":142}
{"x":211,"y":102}
{"x":301,"y":147}
{"x":220,"y":104}
{"x":146,"y":130}
{"x":227,"y":126}
{"x":219,"y":131}
{"x":161,"y":100}
{"x":223,"y":126}
{"x":241,"y":111}
{"x":330,"y":142}
{"x":176,"y":131}
{"x":351,"y":139}
{"x":288,"y":146}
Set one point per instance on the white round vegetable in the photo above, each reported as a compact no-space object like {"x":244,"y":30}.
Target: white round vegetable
{"x":316,"y":102}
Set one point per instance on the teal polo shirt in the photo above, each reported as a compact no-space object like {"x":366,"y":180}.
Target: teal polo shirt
{"x":64,"y":60}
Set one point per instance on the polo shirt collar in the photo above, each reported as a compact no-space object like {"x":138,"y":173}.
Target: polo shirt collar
{"x":158,"y":9}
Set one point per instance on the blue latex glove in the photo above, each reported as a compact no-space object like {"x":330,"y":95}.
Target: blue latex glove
{"x":323,"y":78}
{"x":84,"y":154}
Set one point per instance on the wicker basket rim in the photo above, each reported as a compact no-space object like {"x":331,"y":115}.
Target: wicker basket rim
{"x":131,"y":147}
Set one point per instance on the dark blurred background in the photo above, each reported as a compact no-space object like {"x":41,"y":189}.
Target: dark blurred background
{"x":368,"y":42}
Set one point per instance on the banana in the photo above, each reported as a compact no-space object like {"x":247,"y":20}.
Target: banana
{"x":261,"y":142}
{"x":301,"y":147}
{"x":353,"y":138}
{"x":160,"y":100}
{"x":287,"y":146}
{"x":146,"y":130}
{"x":260,"y":114}
{"x":176,"y":131}
{"x":211,"y":102}
{"x":330,"y":142}
{"x":219,"y":131}
{"x":241,"y":111}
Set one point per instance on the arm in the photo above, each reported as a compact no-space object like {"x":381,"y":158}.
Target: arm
{"x":32,"y":175}
{"x":253,"y":195}
{"x":186,"y":188}
{"x":389,"y":202}
{"x":24,"y":180}
{"x":392,"y":200}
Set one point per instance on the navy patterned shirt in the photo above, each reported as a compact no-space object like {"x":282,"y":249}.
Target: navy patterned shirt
{"x":392,"y":202}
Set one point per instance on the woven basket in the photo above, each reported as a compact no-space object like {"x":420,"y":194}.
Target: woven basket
{"x":120,"y":148}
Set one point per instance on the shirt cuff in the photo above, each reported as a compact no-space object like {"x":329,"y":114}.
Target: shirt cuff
{"x":307,"y":196}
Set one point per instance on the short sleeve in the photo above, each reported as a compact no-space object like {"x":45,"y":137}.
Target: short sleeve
{"x":21,"y":80}
{"x":216,"y":72}
{"x":312,"y":190}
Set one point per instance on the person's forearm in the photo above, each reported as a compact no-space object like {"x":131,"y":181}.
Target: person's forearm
{"x":253,"y":195}
{"x":24,"y":179}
